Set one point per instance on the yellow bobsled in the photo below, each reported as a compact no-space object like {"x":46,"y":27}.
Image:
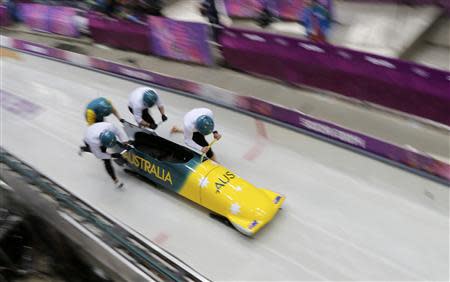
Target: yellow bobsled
{"x":206,"y":183}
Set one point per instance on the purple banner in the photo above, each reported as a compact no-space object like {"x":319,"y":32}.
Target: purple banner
{"x":119,"y":33}
{"x":52,"y":19}
{"x":290,"y":9}
{"x":244,"y":8}
{"x":369,"y":144}
{"x":251,"y":104}
{"x":38,"y":49}
{"x":184,"y":41}
{"x":4,"y":16}
{"x":285,"y":9}
{"x":61,"y":21}
{"x":406,"y":87}
{"x":35,"y":16}
{"x":167,"y":81}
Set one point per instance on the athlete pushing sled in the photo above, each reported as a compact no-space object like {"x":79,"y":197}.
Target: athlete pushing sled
{"x":98,"y":138}
{"x":102,"y":135}
{"x":139,"y":104}
{"x":198,"y":123}
{"x":98,"y":109}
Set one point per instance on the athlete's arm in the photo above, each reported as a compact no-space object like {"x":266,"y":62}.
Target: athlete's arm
{"x":116,"y":113}
{"x":188,"y":134}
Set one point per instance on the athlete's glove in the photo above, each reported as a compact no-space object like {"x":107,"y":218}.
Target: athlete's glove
{"x":122,"y":120}
{"x":153,"y":126}
{"x":164,"y":117}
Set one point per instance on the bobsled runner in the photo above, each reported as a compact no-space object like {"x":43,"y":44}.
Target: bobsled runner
{"x":207,"y":183}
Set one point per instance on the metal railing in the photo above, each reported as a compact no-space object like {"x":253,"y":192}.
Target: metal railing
{"x":163,"y":266}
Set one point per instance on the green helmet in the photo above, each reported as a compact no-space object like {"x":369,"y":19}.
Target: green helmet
{"x":204,"y":124}
{"x":150,"y":98}
{"x":108,"y":138}
{"x":104,"y":108}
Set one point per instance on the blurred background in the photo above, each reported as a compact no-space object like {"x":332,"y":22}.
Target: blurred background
{"x":351,"y":100}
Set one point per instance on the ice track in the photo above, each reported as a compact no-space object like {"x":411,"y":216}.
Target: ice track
{"x":346,"y":216}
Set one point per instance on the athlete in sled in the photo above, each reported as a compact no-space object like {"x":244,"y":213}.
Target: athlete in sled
{"x":206,"y":183}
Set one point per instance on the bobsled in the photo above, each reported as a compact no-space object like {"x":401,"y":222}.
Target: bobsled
{"x":203,"y":181}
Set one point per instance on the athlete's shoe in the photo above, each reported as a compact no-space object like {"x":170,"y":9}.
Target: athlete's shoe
{"x":119,"y":184}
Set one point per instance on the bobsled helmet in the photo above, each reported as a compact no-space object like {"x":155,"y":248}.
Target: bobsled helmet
{"x":204,"y":124}
{"x":150,"y":98}
{"x":104,"y":108}
{"x":108,"y":138}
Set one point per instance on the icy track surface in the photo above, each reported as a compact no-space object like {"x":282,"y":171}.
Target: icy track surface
{"x":346,"y":216}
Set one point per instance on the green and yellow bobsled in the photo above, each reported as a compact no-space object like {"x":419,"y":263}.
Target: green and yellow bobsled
{"x":206,"y":183}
